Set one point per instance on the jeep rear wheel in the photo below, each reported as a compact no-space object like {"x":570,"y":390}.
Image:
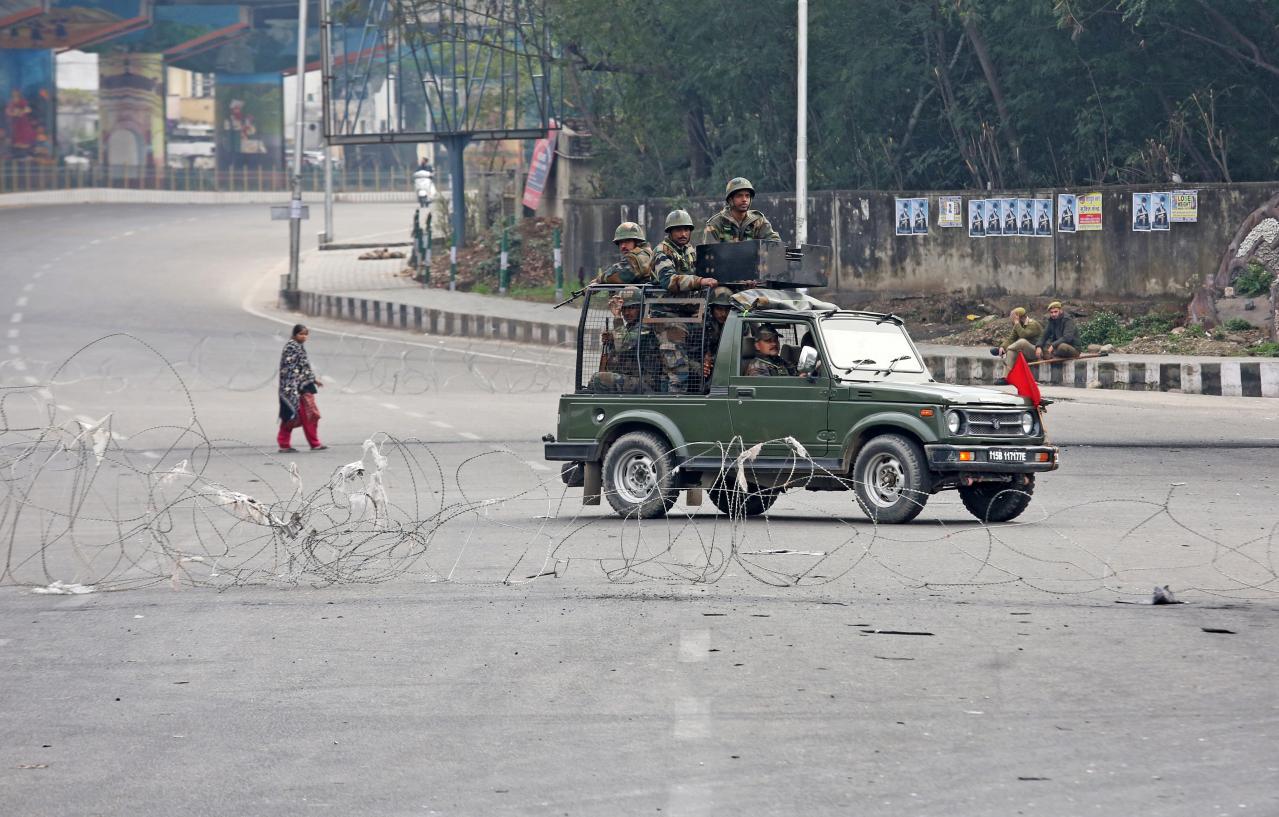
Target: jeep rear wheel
{"x":996,"y":502}
{"x":637,"y":476}
{"x":889,"y":479}
{"x":732,"y":501}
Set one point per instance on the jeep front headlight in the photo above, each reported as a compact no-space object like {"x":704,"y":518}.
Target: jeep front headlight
{"x":1027,"y":423}
{"x":954,"y":422}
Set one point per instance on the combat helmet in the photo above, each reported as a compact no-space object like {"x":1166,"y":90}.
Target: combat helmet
{"x":678,"y":218}
{"x":738,"y":183}
{"x":631,"y":296}
{"x":721,"y":296}
{"x":628,"y":229}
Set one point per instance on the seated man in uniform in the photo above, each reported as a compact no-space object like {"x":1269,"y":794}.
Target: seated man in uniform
{"x":1023,"y":335}
{"x":737,"y":221}
{"x":703,"y":344}
{"x":635,"y":265}
{"x":767,"y":361}
{"x":676,"y":371}
{"x":1060,"y":339}
{"x":630,"y":357}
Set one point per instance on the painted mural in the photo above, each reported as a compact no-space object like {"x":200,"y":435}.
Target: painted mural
{"x":29,"y":113}
{"x":250,"y":117}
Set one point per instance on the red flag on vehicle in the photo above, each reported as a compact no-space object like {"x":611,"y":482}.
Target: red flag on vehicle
{"x":1021,"y":377}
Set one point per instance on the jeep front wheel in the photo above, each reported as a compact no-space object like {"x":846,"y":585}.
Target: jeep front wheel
{"x":637,"y":476}
{"x":889,"y":479}
{"x":998,"y":503}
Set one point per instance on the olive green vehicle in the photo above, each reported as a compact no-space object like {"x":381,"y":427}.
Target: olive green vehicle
{"x":861,"y":413}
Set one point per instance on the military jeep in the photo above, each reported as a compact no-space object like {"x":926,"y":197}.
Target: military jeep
{"x":663,"y":403}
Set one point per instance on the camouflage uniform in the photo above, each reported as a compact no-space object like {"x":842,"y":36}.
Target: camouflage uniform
{"x":770,"y":366}
{"x":676,"y":370}
{"x":634,"y":268}
{"x":722,"y":228}
{"x":673,"y":267}
{"x":632,"y":362}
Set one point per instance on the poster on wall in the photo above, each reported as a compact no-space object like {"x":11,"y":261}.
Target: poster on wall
{"x":28,"y":116}
{"x":1160,"y":208}
{"x":1025,"y":217}
{"x":131,"y":110}
{"x":1043,"y":217}
{"x":976,"y":218}
{"x":1088,"y":213}
{"x":994,"y":221}
{"x":249,"y":113}
{"x":1065,"y":213}
{"x":904,"y":208}
{"x":950,"y":211}
{"x":1008,"y":214}
{"x":1185,"y":206}
{"x":920,"y":220}
{"x":1141,"y":212}
{"x":539,"y":169}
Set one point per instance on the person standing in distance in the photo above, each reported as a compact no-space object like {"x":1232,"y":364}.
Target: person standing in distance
{"x":298,"y":386}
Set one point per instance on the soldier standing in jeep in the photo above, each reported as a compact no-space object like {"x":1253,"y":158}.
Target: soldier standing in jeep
{"x":635,"y":265}
{"x":737,"y":221}
{"x":674,"y":258}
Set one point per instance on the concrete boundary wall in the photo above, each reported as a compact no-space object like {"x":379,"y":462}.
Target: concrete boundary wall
{"x":1245,"y":377}
{"x":109,"y":195}
{"x":437,"y":321}
{"x":868,"y":257}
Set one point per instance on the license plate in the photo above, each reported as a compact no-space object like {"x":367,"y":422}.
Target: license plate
{"x":1007,"y":456}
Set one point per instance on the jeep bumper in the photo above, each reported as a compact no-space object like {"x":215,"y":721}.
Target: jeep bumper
{"x":572,"y":452}
{"x":997,"y":459}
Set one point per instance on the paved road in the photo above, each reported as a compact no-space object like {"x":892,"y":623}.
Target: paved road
{"x":416,"y":667}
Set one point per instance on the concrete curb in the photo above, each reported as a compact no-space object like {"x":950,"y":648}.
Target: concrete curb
{"x":1246,"y":377}
{"x":436,"y":321}
{"x":107,"y":195}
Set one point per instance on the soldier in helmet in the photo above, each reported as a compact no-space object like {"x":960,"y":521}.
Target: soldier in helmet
{"x":767,"y":362}
{"x":737,"y":221}
{"x":675,"y":257}
{"x":704,"y":342}
{"x":635,"y":265}
{"x":630,"y":360}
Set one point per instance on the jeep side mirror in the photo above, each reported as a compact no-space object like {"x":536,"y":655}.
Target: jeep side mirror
{"x":807,"y":360}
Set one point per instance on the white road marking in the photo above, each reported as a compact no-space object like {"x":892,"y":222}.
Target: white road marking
{"x":45,"y":393}
{"x":37,"y":274}
{"x":130,"y":232}
{"x":28,"y":287}
{"x":118,"y":437}
{"x":67,"y":409}
{"x":47,"y":266}
{"x":151,"y":455}
{"x":14,"y":350}
{"x":20,"y":365}
{"x":21,"y":302}
{"x":16,"y":317}
{"x":414,"y":414}
{"x":96,"y":241}
{"x":536,"y":466}
{"x":390,"y":406}
{"x":29,"y":379}
{"x":13,"y":333}
{"x":468,"y":435}
{"x":440,"y":424}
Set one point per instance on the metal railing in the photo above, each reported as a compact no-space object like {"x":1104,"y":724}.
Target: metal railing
{"x":25,"y":177}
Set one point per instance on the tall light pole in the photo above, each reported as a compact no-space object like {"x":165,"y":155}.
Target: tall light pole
{"x":801,"y":132}
{"x":326,"y":98}
{"x":289,"y":296}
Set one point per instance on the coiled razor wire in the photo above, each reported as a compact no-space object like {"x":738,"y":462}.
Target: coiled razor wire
{"x":79,"y":513}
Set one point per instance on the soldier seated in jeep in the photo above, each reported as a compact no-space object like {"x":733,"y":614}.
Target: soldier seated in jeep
{"x":628,"y":350}
{"x":766,"y":361}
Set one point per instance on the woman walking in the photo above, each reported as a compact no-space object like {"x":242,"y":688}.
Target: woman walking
{"x":297,"y":394}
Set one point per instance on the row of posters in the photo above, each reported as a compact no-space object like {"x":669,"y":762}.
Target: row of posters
{"x":1034,"y":217}
{"x":1159,"y":211}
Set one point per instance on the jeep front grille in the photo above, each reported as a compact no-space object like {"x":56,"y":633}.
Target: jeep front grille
{"x":993,"y":423}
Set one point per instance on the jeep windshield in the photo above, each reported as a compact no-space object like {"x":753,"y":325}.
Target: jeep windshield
{"x":863,"y":349}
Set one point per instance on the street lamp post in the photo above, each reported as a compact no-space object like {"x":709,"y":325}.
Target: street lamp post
{"x":801,"y":132}
{"x":290,"y":297}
